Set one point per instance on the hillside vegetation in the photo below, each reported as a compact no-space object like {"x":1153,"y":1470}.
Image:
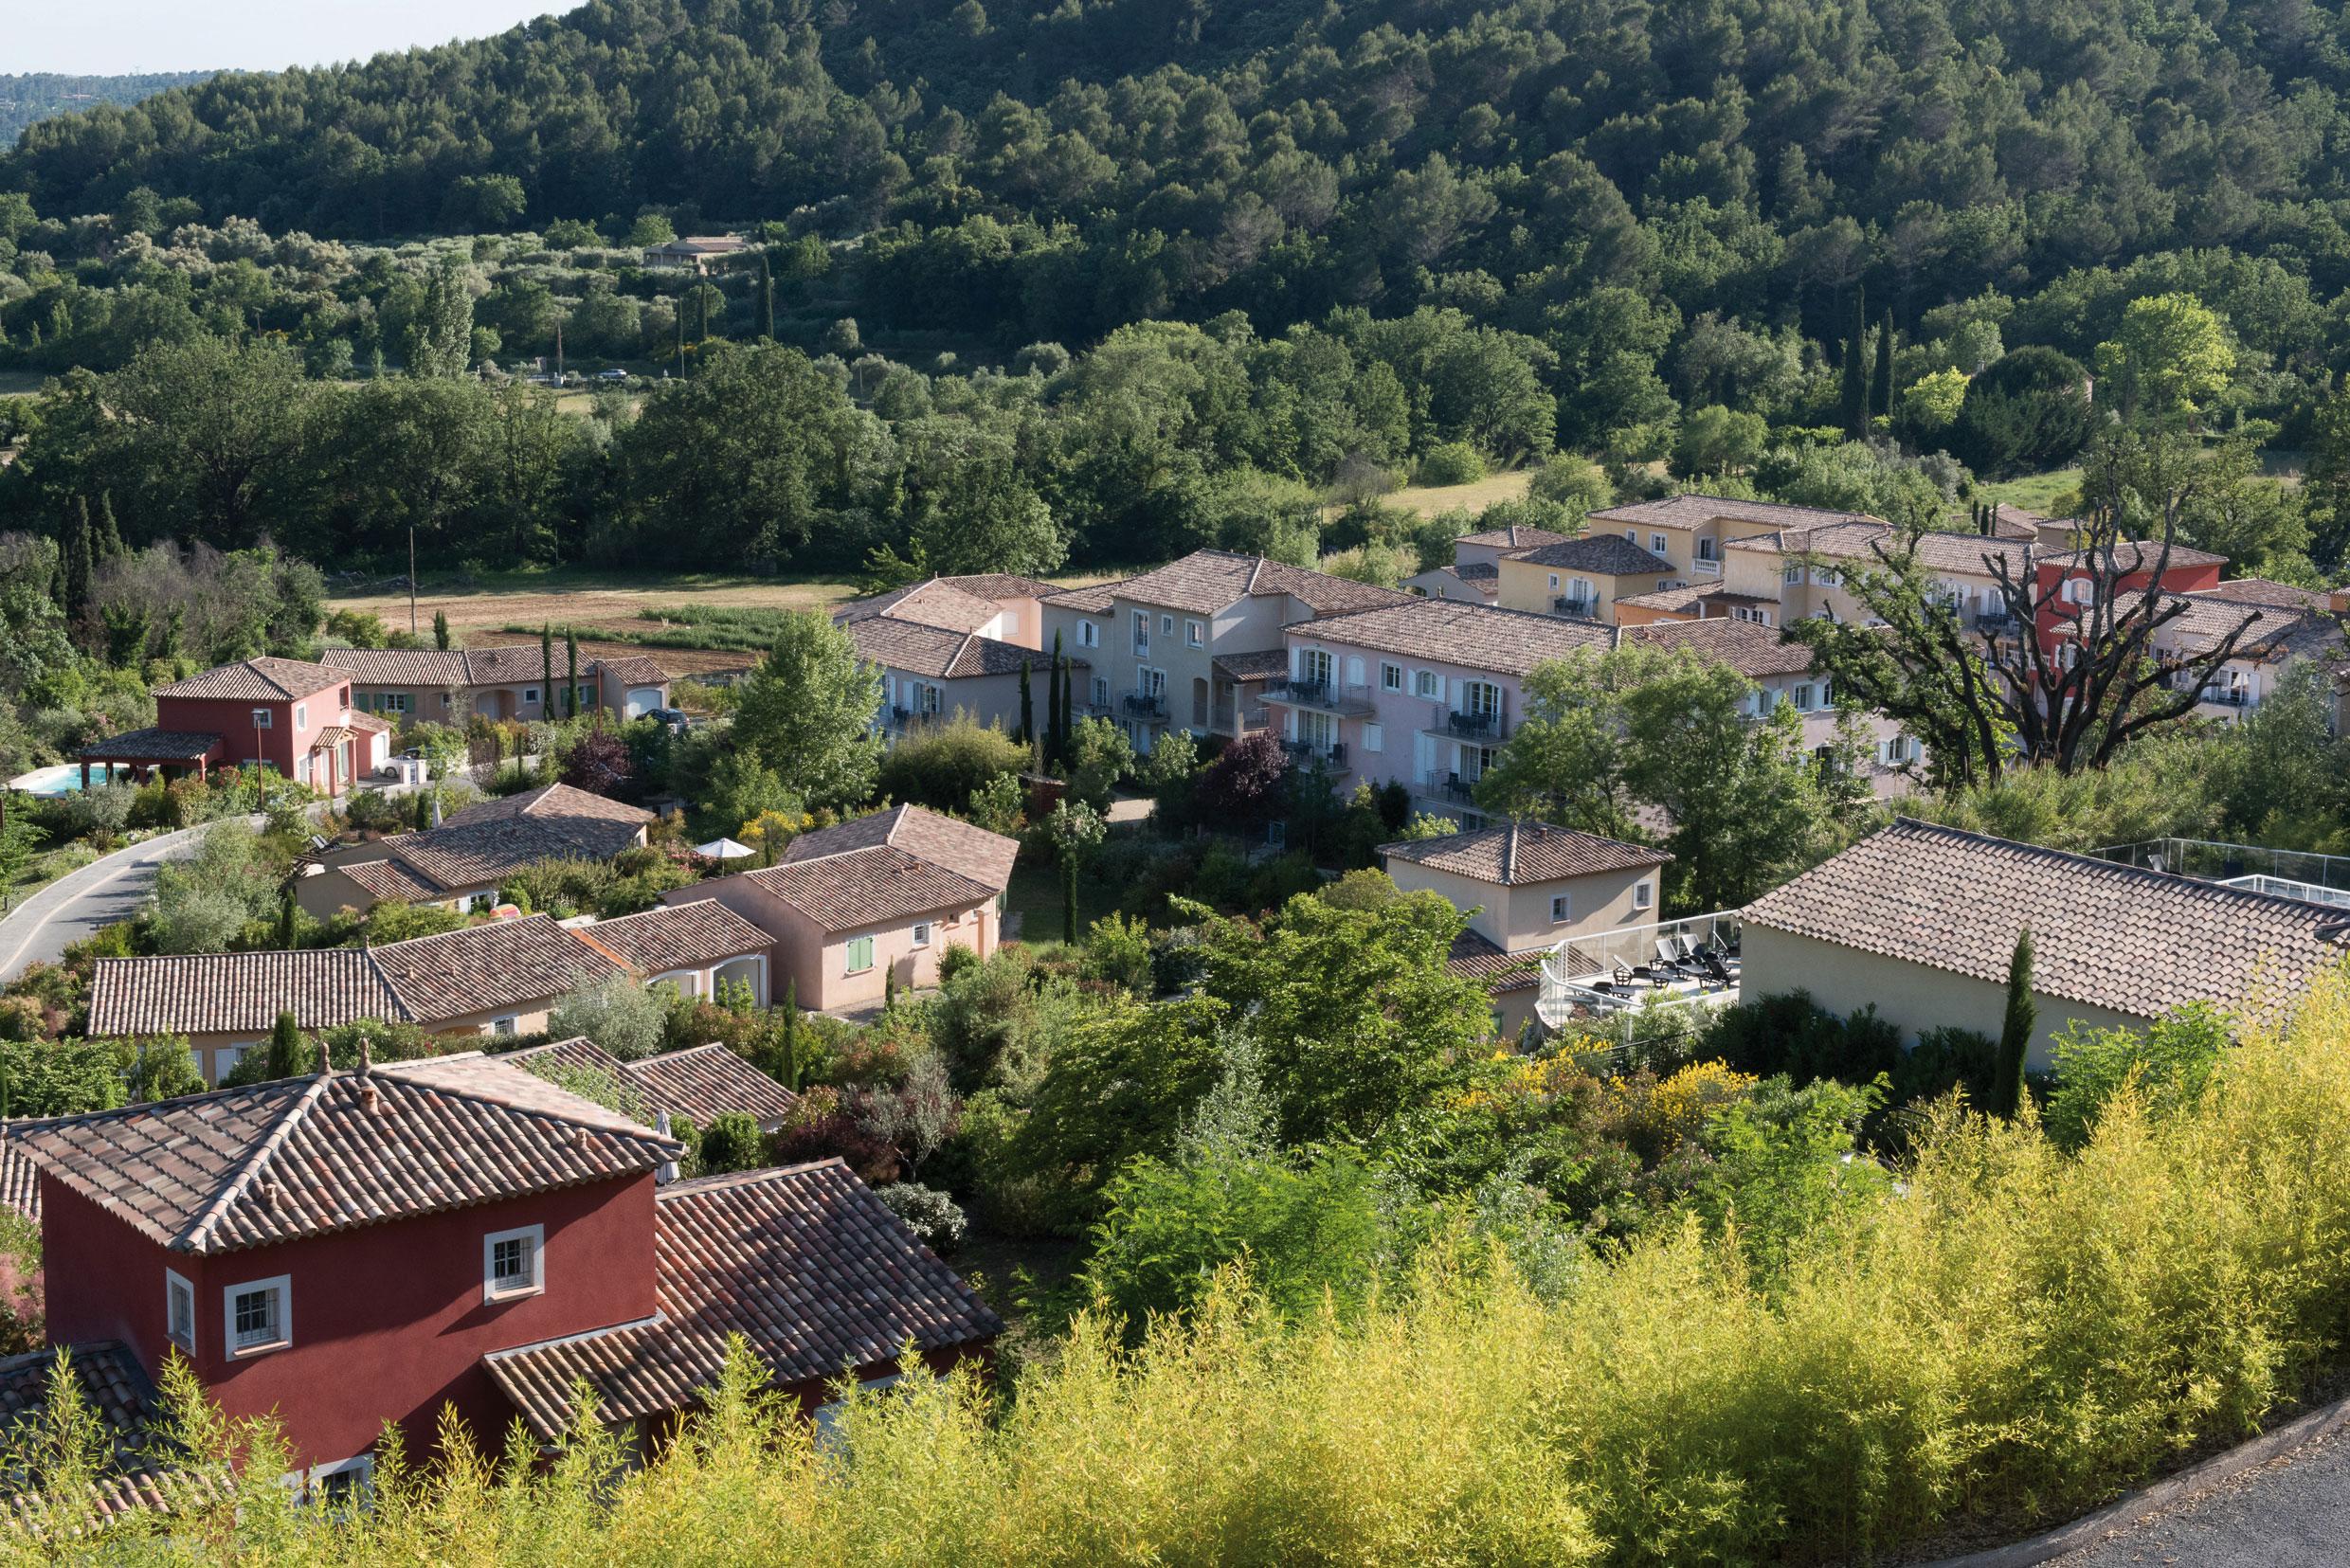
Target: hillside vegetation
{"x":37,"y":95}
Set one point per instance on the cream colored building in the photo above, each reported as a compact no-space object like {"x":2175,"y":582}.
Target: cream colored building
{"x":1526,"y":887}
{"x":1918,"y":922}
{"x":1583,"y":578}
{"x":462,"y":864}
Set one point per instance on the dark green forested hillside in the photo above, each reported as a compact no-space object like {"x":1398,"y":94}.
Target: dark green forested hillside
{"x":38,"y":95}
{"x":1098,"y":163}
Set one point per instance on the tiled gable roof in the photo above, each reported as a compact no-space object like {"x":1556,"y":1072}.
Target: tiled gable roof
{"x":483,"y":968}
{"x":237,"y":993}
{"x":804,"y":1262}
{"x":1479,"y":637}
{"x":488,"y":841}
{"x":869,"y":887}
{"x":503,"y":664}
{"x":933,"y":602}
{"x":1253,"y":665}
{"x":1684,"y":601}
{"x":633,"y":669}
{"x":389,"y":881}
{"x":398,"y":666}
{"x":1524,"y":853}
{"x":1515,"y":536}
{"x":1872,"y":542}
{"x":300,"y":1156}
{"x":1697,"y":510}
{"x":943,"y":655}
{"x":1208,"y":580}
{"x":707,"y":1081}
{"x":1608,"y":554}
{"x":952,"y":845}
{"x":1750,"y":647}
{"x":680,"y":936}
{"x":20,"y":1178}
{"x":2262,"y":590}
{"x":2016,"y":522}
{"x":1474,"y":957}
{"x":137,"y":1470}
{"x":1000,"y":585}
{"x":152,"y":744}
{"x":2134,"y":556}
{"x":425,"y":980}
{"x":2104,"y":935}
{"x":256,"y":680}
{"x":578,"y":1052}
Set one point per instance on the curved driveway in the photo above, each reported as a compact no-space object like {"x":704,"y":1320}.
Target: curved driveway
{"x":109,"y":889}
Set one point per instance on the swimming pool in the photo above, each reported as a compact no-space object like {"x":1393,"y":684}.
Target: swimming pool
{"x":64,"y":778}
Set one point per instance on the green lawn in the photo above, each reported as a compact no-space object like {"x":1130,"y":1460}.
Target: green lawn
{"x":2039,"y":493}
{"x":1035,"y":897}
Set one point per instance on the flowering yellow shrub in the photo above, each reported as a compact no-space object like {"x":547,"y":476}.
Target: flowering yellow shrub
{"x":1678,"y":1108}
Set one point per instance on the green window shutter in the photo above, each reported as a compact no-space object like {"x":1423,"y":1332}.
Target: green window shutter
{"x":860,"y":955}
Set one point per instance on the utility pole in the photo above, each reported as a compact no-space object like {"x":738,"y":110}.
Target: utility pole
{"x":681,"y":337}
{"x":411,"y":580}
{"x":558,"y":350}
{"x":766,"y":286}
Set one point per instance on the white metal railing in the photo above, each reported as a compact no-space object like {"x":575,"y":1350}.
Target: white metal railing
{"x":2209,"y":861}
{"x":1605,"y":971}
{"x":1704,"y":568}
{"x":2281,"y":887}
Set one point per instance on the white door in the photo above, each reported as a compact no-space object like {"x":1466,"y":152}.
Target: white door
{"x":642,"y":700}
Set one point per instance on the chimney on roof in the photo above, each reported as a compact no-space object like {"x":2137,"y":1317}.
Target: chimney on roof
{"x":2339,"y":601}
{"x":366,"y":1057}
{"x":326,"y":1059}
{"x":666,"y":1171}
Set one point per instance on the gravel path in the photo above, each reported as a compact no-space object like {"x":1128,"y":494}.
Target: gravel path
{"x":2292,"y":1512}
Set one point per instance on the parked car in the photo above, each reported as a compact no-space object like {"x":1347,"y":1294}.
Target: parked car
{"x":612,"y":376}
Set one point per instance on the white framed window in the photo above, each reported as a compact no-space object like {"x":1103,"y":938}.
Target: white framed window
{"x":2079,"y":590}
{"x":860,"y":954}
{"x":1643,"y":895}
{"x":1167,"y":625}
{"x":1562,"y":907}
{"x":1142,"y":632}
{"x":394,"y":702}
{"x":1391,"y":677}
{"x":1656,"y":544}
{"x":1554,"y":582}
{"x":529,"y":693}
{"x":514,"y":1263}
{"x":341,"y":1484}
{"x":263,"y":718}
{"x":921,"y":933}
{"x":507,"y":1025}
{"x":301,"y":715}
{"x":257,"y":1317}
{"x":1793,"y":574}
{"x":1101,"y":691}
{"x":1429,"y":684}
{"x":1088,"y":635}
{"x":179,"y":1311}
{"x":224,"y":1059}
{"x":1704,"y":549}
{"x":1633,"y":534}
{"x":1195,"y":635}
{"x":482,"y":903}
{"x":1803,"y":698}
{"x":301,"y":769}
{"x":1374,"y":737}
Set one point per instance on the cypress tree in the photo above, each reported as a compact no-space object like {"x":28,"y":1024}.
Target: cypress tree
{"x":2007,"y":1087}
{"x":547,"y":670}
{"x":287,"y":924}
{"x":285,"y":1048}
{"x":1068,"y":709}
{"x":1068,"y":894}
{"x":1054,"y":718}
{"x":571,"y":689}
{"x":441,"y":630}
{"x":1884,"y":366}
{"x":1027,"y":707}
{"x":1855,"y":402}
{"x":791,"y":1036}
{"x":77,"y":560}
{"x":109,"y":541}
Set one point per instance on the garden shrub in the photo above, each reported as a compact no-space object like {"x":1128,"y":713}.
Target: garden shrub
{"x":935,"y":1218}
{"x":942,"y":766}
{"x":1451,"y":462}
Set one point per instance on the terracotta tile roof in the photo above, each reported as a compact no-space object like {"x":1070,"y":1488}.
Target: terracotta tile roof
{"x":943,"y":655}
{"x":1093,"y":599}
{"x":490,"y":840}
{"x":1475,"y":958}
{"x":1475,"y":571}
{"x":869,"y":887}
{"x":398,"y":666}
{"x":425,"y":980}
{"x":1689,"y":601}
{"x":1479,"y":636}
{"x":367,"y":724}
{"x":484,"y":968}
{"x":1750,"y":647}
{"x":1608,"y":554}
{"x":1257,"y":664}
{"x":633,"y":669}
{"x":300,"y":1156}
{"x":933,"y":602}
{"x":1697,"y":510}
{"x":680,"y":936}
{"x":1512,"y":537}
{"x":138,"y":1469}
{"x":2104,"y":935}
{"x":806,"y":1263}
{"x":20,"y":1178}
{"x":2016,"y":522}
{"x":1207,"y":580}
{"x":389,"y":881}
{"x":2261,"y":590}
{"x":1524,"y":853}
{"x":331,"y":735}
{"x":237,"y":993}
{"x":1862,"y":541}
{"x":2272,"y":633}
{"x":957,"y":846}
{"x":256,"y":680}
{"x":505,"y":664}
{"x":1000,"y":585}
{"x":165,"y":746}
{"x":707,"y":1081}
{"x":700,"y":1082}
{"x":2134,"y":556}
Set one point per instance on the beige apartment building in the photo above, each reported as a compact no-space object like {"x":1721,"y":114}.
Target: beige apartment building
{"x":1583,"y":578}
{"x":1193,"y":645}
{"x":451,"y":685}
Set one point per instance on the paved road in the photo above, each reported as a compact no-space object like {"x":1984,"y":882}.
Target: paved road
{"x":2292,"y":1512}
{"x":69,"y":909}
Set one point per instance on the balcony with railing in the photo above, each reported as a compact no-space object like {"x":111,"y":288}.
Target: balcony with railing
{"x":1995,"y":621}
{"x":1250,"y":716}
{"x":1576,"y":606}
{"x":1322,"y":696}
{"x":1449,"y":788}
{"x":1306,"y":753}
{"x":1144,"y":705}
{"x":1671,"y":964}
{"x":1706,"y":566}
{"x":1483,"y":725}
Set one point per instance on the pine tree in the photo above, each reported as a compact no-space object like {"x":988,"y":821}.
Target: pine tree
{"x":1855,"y":402}
{"x":1883,"y":399}
{"x":1027,"y":707}
{"x":441,"y":630}
{"x":2007,"y":1084}
{"x":571,"y":689}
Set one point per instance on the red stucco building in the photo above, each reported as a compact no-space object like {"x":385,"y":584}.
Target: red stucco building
{"x":2067,"y":580}
{"x":280,"y":713}
{"x":356,"y":1248}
